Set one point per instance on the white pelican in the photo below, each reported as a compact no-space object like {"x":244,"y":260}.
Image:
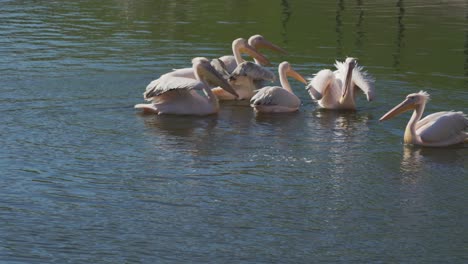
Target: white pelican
{"x":177,"y":95}
{"x":256,"y":42}
{"x":435,"y":130}
{"x":337,"y":90}
{"x":239,"y":46}
{"x":274,"y":99}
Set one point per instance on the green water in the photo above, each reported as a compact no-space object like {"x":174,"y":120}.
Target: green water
{"x":88,"y":179}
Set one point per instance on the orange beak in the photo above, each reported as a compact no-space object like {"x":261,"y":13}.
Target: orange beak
{"x":255,"y":54}
{"x":400,"y":108}
{"x":265,"y":44}
{"x":294,"y":74}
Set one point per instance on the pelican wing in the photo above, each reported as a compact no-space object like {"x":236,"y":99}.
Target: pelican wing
{"x":229,"y":61}
{"x":275,"y":95}
{"x":183,"y":72}
{"x":167,"y":83}
{"x":217,"y":64}
{"x":429,"y":119}
{"x":254,"y":71}
{"x":442,"y":126}
{"x":365,"y":82}
{"x":361,"y":79}
{"x":321,"y":82}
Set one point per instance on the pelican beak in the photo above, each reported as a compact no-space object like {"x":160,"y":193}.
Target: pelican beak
{"x":265,"y":44}
{"x":402,"y":107}
{"x":294,"y":74}
{"x":255,"y":54}
{"x":349,"y":77}
{"x":217,"y":79}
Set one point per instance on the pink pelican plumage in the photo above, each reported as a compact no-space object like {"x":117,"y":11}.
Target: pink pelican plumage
{"x":337,"y":90}
{"x":435,"y":130}
{"x":274,"y":99}
{"x":178,"y":95}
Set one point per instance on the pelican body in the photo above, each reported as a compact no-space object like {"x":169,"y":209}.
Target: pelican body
{"x":337,"y":90}
{"x":275,"y":99}
{"x":435,"y":130}
{"x":178,"y":95}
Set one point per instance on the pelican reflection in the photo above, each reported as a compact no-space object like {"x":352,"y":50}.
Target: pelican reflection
{"x":417,"y":161}
{"x":346,"y":121}
{"x":179,"y":125}
{"x":338,"y":133}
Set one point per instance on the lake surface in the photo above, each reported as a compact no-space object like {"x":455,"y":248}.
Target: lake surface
{"x":85,"y":178}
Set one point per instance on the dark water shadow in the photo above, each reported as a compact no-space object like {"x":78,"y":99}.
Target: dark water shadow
{"x":360,"y":34}
{"x":236,"y":114}
{"x":285,"y":16}
{"x":466,"y":47}
{"x":339,"y":28}
{"x":235,"y":103}
{"x":400,"y":38}
{"x":278,"y":118}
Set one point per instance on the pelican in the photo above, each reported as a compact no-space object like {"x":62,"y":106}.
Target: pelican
{"x":337,"y":90}
{"x":256,"y":42}
{"x":435,"y":130}
{"x":177,"y":95}
{"x":274,"y":99}
{"x":239,"y":46}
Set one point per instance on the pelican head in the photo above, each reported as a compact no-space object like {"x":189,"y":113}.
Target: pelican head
{"x":351,"y":64}
{"x":243,"y":46}
{"x":205,"y":71}
{"x":258,"y":42}
{"x":411,"y":102}
{"x":287,"y":68}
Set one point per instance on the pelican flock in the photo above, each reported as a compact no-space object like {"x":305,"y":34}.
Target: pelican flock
{"x":239,"y":46}
{"x":197,"y":90}
{"x":247,"y":76}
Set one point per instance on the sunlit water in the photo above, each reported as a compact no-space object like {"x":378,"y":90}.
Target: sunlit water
{"x":87,"y":179}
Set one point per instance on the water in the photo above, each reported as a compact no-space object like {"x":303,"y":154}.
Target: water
{"x":87,"y":179}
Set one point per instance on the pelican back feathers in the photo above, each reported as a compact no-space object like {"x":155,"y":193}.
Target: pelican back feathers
{"x":252,"y":70}
{"x":167,"y":83}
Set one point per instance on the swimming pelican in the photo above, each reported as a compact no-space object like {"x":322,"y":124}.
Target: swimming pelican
{"x":274,"y":99}
{"x":178,"y":95}
{"x":239,"y":46}
{"x":256,"y":42}
{"x":435,"y":130}
{"x":337,"y":90}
